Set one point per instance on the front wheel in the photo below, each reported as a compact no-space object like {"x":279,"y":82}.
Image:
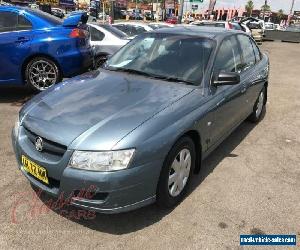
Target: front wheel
{"x":176,"y":173}
{"x":258,"y":107}
{"x":41,"y":73}
{"x":100,"y":60}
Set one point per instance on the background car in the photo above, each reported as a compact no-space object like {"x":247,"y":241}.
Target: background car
{"x":223,"y":24}
{"x":132,"y":28}
{"x":105,"y":41}
{"x":40,"y":49}
{"x":256,"y":31}
{"x":159,"y":25}
{"x":58,"y":12}
{"x":270,"y":26}
{"x":172,"y":20}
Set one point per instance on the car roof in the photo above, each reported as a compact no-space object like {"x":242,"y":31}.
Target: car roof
{"x":198,"y":31}
{"x":12,"y":7}
{"x":132,"y":23}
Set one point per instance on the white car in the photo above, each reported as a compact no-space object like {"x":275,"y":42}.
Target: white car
{"x":105,"y":41}
{"x":159,"y":25}
{"x":270,"y":26}
{"x":132,"y":29}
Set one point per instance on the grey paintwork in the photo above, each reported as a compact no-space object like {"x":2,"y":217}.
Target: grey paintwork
{"x":104,"y":110}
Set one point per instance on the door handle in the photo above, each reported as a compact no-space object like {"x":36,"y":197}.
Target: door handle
{"x":244,"y":89}
{"x":22,"y":39}
{"x":220,"y":102}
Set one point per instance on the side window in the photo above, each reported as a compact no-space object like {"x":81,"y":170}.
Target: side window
{"x":8,"y":21}
{"x":228,"y":58}
{"x":247,"y":51}
{"x":96,"y":35}
{"x":23,"y":23}
{"x":256,"y":51}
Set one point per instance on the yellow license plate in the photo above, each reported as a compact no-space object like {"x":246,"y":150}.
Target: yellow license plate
{"x":34,"y":169}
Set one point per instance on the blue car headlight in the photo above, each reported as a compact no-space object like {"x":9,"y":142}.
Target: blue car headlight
{"x":101,"y":161}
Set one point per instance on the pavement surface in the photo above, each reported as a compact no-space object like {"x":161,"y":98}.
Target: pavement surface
{"x":249,"y":185}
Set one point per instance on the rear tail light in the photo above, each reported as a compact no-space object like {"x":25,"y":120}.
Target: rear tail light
{"x":77,"y":33}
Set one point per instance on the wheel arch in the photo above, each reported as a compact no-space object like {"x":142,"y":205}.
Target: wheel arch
{"x":196,"y":138}
{"x":266,"y":88}
{"x":28,"y":59}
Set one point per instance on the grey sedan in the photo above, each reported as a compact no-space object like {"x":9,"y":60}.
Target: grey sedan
{"x":135,"y":131}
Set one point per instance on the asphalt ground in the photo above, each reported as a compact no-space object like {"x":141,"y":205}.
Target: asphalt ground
{"x":249,"y":185}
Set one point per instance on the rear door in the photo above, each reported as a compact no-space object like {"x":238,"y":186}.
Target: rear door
{"x":15,"y":38}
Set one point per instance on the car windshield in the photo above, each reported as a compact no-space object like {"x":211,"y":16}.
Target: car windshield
{"x":53,"y":20}
{"x":114,"y":31}
{"x":172,"y":57}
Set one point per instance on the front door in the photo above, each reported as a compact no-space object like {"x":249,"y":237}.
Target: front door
{"x":229,"y":111}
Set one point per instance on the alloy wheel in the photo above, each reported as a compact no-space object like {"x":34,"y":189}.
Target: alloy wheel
{"x":42,"y":74}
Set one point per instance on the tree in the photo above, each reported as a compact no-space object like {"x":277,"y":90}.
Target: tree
{"x":249,"y":7}
{"x":265,"y":8}
{"x":280,"y":14}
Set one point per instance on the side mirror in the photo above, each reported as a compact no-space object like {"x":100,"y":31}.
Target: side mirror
{"x":226,"y":79}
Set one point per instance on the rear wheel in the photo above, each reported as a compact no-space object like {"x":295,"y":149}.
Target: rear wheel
{"x":176,"y":173}
{"x":42,"y":73}
{"x":258,"y":107}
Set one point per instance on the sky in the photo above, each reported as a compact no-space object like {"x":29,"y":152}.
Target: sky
{"x":275,"y":4}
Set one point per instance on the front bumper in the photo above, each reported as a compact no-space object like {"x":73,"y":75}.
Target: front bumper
{"x":108,"y":192}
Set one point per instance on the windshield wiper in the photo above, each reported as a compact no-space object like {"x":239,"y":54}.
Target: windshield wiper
{"x":166,"y":78}
{"x":133,"y":71}
{"x":174,"y":79}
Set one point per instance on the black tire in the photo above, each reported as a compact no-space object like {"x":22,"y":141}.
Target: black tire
{"x":255,"y":116}
{"x":51,"y":70}
{"x":164,"y":198}
{"x":100,"y":60}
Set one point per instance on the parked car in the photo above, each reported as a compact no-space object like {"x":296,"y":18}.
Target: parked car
{"x":58,"y":12}
{"x":172,"y":20}
{"x":141,"y":126}
{"x":223,"y":24}
{"x":270,"y":26}
{"x":159,"y":25}
{"x":105,"y":41}
{"x":257,"y":31}
{"x":132,"y":28}
{"x":40,"y":49}
{"x":135,"y":16}
{"x":256,"y":26}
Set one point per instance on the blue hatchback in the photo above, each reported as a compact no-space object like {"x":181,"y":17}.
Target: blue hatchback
{"x":39,"y":49}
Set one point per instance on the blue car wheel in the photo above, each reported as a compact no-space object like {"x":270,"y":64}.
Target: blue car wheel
{"x":42,"y":73}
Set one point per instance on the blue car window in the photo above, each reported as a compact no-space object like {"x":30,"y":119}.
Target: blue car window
{"x":8,"y":21}
{"x":23,"y":23}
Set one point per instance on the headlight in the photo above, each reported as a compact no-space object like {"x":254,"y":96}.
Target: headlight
{"x":101,"y":161}
{"x":16,"y":127}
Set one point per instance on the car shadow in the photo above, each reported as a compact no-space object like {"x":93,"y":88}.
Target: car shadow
{"x":16,"y":95}
{"x":128,"y":222}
